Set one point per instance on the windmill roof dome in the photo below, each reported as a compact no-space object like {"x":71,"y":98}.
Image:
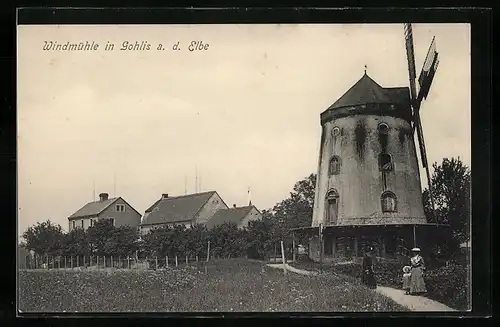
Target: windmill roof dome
{"x":367,"y":91}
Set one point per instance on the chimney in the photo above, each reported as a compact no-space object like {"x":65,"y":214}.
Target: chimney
{"x":103,"y":196}
{"x":164,"y":195}
{"x":234,"y":205}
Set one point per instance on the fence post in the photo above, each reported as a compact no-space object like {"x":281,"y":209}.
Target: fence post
{"x":176,"y":263}
{"x":283,"y":258}
{"x":84,"y":260}
{"x":128,"y":262}
{"x":71,"y":262}
{"x":208,"y":251}
{"x":97,"y":261}
{"x":187,"y":262}
{"x":111,"y":261}
{"x":196,"y":259}
{"x":47,"y":259}
{"x":104,"y":260}
{"x":65,"y":266}
{"x":156,"y":263}
{"x":78,"y":261}
{"x":166,"y":260}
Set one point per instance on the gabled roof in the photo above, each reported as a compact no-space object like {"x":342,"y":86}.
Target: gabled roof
{"x":231,"y":215}
{"x":366,"y":90}
{"x":93,"y":208}
{"x":176,"y":209}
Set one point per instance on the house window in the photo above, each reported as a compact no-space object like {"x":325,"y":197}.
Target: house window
{"x":385,"y":162}
{"x":383,"y":128}
{"x":334,"y":165}
{"x":120,"y":207}
{"x":388,"y":200}
{"x":335,"y":131}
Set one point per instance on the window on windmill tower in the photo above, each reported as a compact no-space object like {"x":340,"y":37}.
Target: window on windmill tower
{"x":385,"y":162}
{"x":335,"y":131}
{"x":383,"y":128}
{"x":334,"y":168}
{"x":389,"y":202}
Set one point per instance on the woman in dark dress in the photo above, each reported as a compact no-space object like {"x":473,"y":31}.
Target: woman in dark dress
{"x":367,"y":274}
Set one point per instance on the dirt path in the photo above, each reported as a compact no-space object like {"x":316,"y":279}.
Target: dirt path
{"x":414,"y":303}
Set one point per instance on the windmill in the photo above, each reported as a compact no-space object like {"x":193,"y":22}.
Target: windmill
{"x":425,"y":80}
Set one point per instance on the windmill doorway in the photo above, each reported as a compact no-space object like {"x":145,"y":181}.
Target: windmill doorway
{"x":332,"y":204}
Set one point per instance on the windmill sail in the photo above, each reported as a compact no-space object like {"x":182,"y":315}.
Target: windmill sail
{"x":428,"y":70}
{"x":425,"y":80}
{"x":410,"y":54}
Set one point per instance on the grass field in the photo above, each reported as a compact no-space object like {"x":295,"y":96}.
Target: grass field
{"x":226,"y":286}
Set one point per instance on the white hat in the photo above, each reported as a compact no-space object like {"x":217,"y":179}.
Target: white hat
{"x":416,"y":249}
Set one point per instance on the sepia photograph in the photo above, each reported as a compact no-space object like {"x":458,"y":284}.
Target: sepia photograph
{"x":244,"y":168}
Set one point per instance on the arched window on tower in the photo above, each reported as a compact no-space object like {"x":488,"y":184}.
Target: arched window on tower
{"x":383,"y":128}
{"x":385,"y":162}
{"x":332,"y":206}
{"x":389,"y":202}
{"x":334,"y":168}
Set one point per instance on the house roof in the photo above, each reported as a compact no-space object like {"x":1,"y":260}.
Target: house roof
{"x":231,"y":215}
{"x":93,"y":208}
{"x":366,"y":91}
{"x":176,"y":209}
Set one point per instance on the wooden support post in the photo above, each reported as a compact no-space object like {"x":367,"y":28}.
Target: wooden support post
{"x":47,"y":260}
{"x":119,"y":261}
{"x":187,"y":262}
{"x":78,"y":261}
{"x":334,"y":245}
{"x":382,"y":243}
{"x":104,"y":261}
{"x":320,"y":231}
{"x":71,"y":262}
{"x":156,"y":263}
{"x":111,"y":262}
{"x":283,"y":258}
{"x":293,"y":245}
{"x":414,"y":237}
{"x":128,"y":262}
{"x":65,"y":266}
{"x":166,"y":260}
{"x":176,"y":262}
{"x":356,"y":246}
{"x":275,"y":252}
{"x":97,"y":262}
{"x":208,"y":251}
{"x":196,"y":259}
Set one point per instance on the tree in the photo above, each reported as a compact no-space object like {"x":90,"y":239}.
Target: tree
{"x":98,"y":235}
{"x":75,"y":243}
{"x":451,"y":192}
{"x":295,"y":211}
{"x":44,"y":238}
{"x":121,"y":241}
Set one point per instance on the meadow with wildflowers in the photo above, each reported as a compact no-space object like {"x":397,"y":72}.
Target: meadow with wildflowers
{"x":233,"y":285}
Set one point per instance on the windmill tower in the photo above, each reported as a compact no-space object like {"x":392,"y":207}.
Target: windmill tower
{"x":368,"y":184}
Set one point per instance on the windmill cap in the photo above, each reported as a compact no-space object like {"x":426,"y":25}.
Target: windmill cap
{"x":416,"y":249}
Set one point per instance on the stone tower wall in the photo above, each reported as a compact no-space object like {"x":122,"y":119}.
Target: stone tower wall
{"x":360,"y":183}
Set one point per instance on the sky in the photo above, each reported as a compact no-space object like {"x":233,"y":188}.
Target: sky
{"x":243,"y":113}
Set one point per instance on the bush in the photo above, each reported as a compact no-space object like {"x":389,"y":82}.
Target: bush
{"x":447,"y":284}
